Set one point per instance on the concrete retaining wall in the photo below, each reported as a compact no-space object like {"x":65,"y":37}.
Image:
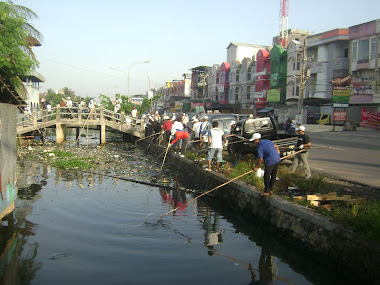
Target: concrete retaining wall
{"x":8,"y":152}
{"x":316,"y":232}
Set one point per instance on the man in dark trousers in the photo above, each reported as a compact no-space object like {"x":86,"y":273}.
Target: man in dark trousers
{"x":268,"y":152}
{"x":303,"y":141}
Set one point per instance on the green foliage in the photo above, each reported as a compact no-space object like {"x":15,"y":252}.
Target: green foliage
{"x":73,"y":163}
{"x":16,"y":56}
{"x":106,"y":102}
{"x":53,"y":98}
{"x":250,"y":178}
{"x":363,"y":219}
{"x":60,"y":153}
{"x":145,"y":106}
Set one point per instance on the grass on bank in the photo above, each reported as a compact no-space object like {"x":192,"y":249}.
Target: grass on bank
{"x":363,"y":218}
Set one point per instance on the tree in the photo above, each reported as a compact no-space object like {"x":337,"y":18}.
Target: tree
{"x":53,"y":98}
{"x":16,"y":55}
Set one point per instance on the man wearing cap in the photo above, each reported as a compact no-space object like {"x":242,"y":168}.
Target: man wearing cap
{"x":268,"y":152}
{"x":203,"y":131}
{"x":303,"y":141}
{"x":215,"y":145}
{"x":196,"y":129}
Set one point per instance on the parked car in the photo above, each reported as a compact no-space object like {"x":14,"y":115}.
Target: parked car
{"x":267,"y":127}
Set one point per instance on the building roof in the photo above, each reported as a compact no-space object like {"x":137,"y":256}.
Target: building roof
{"x":246,"y":45}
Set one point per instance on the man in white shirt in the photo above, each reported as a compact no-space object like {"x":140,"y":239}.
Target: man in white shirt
{"x":215,"y":145}
{"x":203,"y":131}
{"x":196,"y":128}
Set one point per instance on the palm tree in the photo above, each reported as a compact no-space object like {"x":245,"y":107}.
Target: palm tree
{"x":18,"y":37}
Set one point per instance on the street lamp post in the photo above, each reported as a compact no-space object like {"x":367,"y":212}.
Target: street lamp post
{"x":126,"y":75}
{"x":129,"y":69}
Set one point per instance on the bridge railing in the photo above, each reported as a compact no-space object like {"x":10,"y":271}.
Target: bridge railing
{"x":75,"y":114}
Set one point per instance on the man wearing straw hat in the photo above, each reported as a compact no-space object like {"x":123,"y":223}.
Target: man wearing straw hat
{"x":268,"y":152}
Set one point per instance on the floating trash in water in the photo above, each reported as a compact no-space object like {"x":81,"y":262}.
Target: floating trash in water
{"x":60,"y":255}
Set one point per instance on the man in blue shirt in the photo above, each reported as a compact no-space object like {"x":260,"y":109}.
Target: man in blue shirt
{"x":268,"y":152}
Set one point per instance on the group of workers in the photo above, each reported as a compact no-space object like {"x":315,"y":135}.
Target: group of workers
{"x":178,"y":131}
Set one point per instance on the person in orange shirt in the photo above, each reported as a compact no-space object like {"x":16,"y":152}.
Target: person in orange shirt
{"x":184,"y":136}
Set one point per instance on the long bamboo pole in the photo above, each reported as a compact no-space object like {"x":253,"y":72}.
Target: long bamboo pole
{"x":213,"y":189}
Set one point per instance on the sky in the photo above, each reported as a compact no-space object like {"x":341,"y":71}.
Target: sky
{"x":82,"y":39}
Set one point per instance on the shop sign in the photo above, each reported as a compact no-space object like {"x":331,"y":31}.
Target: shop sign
{"x":340,"y":116}
{"x":273,"y":95}
{"x":341,"y":99}
{"x":340,"y":105}
{"x":341,"y":92}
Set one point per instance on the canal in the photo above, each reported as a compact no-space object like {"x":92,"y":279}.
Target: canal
{"x":82,"y":227}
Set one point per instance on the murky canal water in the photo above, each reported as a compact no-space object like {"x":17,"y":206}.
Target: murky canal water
{"x":85,"y":228}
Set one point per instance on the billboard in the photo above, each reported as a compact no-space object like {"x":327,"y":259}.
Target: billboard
{"x":369,"y":119}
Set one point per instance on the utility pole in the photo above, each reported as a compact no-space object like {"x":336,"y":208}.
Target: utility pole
{"x":301,"y":81}
{"x":202,"y":83}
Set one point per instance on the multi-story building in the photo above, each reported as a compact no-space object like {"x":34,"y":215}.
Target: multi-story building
{"x":219,"y":83}
{"x":239,"y":51}
{"x":173,"y":91}
{"x":242,"y":85}
{"x":262,"y":78}
{"x":327,"y":55}
{"x":293,"y":34}
{"x":295,"y":58}
{"x":278,"y":75}
{"x":32,"y":81}
{"x":364,"y":65}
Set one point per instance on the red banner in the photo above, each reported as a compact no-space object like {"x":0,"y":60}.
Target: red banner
{"x":370,"y":120}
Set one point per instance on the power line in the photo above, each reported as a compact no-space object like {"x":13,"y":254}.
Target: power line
{"x":87,"y":70}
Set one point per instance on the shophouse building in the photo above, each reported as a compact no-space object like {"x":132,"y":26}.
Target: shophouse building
{"x":276,"y":95}
{"x":327,"y":59}
{"x":364,"y":65}
{"x":172,"y":92}
{"x":262,"y":78}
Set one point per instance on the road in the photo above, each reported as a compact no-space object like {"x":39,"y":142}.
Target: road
{"x":351,"y":156}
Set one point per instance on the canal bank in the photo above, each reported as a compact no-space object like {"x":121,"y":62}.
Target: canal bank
{"x":303,"y":227}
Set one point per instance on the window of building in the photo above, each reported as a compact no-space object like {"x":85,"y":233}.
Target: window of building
{"x":294,"y":66}
{"x":248,"y":93}
{"x":297,"y":91}
{"x":298,"y":65}
{"x":217,"y":78}
{"x":373,"y":48}
{"x":293,"y":91}
{"x":237,"y":75}
{"x":354,"y":51}
{"x":226,"y":94}
{"x":216,"y":95}
{"x":249,"y":73}
{"x":237,"y":94}
{"x":363,"y":51}
{"x":233,"y":76}
{"x":346,"y":53}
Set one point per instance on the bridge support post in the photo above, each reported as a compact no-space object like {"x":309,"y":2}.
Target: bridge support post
{"x":60,"y":133}
{"x":102,"y":133}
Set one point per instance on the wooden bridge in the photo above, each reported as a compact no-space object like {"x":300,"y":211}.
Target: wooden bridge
{"x":80,"y":118}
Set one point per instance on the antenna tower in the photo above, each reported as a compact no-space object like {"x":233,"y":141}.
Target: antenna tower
{"x":284,"y":13}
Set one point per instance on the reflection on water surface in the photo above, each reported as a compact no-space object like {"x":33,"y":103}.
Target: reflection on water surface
{"x":77,"y":227}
